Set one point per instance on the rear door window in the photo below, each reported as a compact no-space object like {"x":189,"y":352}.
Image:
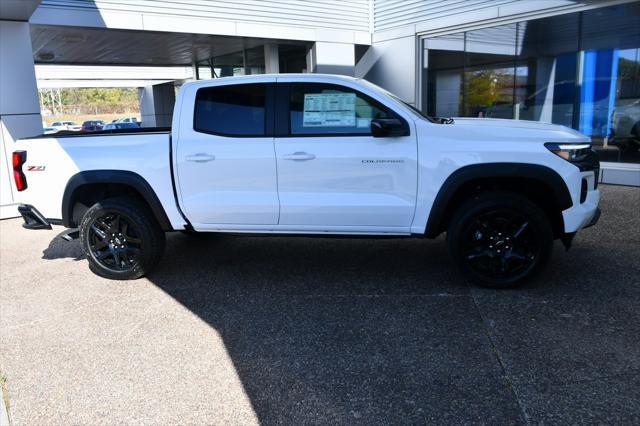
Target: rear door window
{"x":233,"y":110}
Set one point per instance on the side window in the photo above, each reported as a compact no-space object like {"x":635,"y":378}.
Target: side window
{"x":233,"y":110}
{"x":318,"y":108}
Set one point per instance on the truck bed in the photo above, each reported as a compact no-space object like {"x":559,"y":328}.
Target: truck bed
{"x":53,"y":160}
{"x":70,"y":133}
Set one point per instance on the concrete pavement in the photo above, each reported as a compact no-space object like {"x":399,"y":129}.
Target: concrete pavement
{"x":247,"y":330}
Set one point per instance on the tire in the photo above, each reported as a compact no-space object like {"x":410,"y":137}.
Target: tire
{"x":121,"y":238}
{"x":499,"y":239}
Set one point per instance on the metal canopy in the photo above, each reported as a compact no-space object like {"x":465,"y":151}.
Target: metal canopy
{"x":17,"y":10}
{"x":99,"y":46}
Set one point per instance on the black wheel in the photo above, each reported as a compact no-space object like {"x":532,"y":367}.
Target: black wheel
{"x":121,"y":238}
{"x":499,"y":239}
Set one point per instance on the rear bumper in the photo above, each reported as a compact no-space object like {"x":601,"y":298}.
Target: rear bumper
{"x":33,"y":219}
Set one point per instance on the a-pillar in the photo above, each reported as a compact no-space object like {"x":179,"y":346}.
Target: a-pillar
{"x":19,"y":106}
{"x":156,"y":104}
{"x":331,"y":58}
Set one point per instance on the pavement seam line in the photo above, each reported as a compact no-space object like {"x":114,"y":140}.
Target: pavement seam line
{"x":4,"y":401}
{"x":496,"y":351}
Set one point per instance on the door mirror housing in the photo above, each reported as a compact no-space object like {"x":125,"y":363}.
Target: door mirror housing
{"x":388,"y":127}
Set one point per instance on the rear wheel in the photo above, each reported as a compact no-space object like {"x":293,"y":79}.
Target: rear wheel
{"x":500,"y":239}
{"x":121,"y":238}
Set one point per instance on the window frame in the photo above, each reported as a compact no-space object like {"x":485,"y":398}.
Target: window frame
{"x":283,"y":111}
{"x":268,"y":111}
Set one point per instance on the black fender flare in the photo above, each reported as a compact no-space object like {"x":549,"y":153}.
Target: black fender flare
{"x":545,"y":175}
{"x":122,"y":177}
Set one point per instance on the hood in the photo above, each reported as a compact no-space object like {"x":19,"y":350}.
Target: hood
{"x":532,"y":127}
{"x":512,"y":124}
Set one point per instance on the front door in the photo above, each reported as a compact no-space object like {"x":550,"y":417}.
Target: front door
{"x":333,"y":174}
{"x":225,"y":160}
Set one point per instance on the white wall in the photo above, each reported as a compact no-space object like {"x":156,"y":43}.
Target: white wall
{"x":19,"y":107}
{"x":392,"y":18}
{"x":319,"y":20}
{"x":331,"y":58}
{"x":391,"y":64}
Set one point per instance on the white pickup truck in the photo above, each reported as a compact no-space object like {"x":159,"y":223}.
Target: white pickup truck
{"x":314,"y":154}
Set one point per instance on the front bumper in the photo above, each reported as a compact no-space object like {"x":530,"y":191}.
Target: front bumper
{"x":585,"y":205}
{"x":33,"y":219}
{"x":595,"y":218}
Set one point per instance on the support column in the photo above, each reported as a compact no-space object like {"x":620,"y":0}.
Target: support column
{"x":271,"y":59}
{"x":156,"y":105}
{"x":331,"y":58}
{"x":19,"y":106}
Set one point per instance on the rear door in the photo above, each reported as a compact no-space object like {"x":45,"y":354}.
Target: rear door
{"x":225,"y":159}
{"x":333,"y":175}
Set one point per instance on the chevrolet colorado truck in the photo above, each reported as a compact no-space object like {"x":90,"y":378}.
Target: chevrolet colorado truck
{"x":313,"y":154}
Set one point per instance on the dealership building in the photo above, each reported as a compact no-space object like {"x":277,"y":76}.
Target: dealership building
{"x":570,"y":62}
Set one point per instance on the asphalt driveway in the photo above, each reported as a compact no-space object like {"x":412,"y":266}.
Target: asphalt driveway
{"x":246,"y":330}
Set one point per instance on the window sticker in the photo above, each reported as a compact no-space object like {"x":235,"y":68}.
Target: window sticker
{"x":329,"y":110}
{"x":364,"y":122}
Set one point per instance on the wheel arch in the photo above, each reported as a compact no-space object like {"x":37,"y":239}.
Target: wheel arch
{"x":88,"y":187}
{"x":534,"y":181}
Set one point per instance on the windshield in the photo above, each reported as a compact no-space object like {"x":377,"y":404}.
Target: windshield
{"x":436,"y":120}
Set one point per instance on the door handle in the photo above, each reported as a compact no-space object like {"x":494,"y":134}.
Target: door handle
{"x":299,"y":156}
{"x":200,"y":157}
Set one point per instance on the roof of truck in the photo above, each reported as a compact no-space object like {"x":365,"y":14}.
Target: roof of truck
{"x":267,"y":77}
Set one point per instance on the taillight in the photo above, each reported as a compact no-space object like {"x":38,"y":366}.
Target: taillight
{"x":18,"y":159}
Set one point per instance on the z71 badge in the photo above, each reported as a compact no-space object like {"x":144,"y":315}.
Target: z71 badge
{"x":35,"y":168}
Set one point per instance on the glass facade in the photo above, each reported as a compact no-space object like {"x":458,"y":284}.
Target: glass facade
{"x":291,"y":58}
{"x":581,"y":70}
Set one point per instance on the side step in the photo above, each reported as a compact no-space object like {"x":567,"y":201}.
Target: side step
{"x":33,"y":219}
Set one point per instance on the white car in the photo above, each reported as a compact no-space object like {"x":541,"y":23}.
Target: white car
{"x":126,"y":120}
{"x":317,"y":155}
{"x":66,"y":125}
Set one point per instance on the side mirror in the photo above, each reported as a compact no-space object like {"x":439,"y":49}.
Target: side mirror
{"x":387,"y":127}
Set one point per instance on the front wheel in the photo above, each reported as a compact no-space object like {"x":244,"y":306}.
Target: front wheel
{"x":121,"y":238}
{"x":499,"y":239}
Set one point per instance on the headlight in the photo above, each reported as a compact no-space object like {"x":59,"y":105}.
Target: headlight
{"x":573,"y":152}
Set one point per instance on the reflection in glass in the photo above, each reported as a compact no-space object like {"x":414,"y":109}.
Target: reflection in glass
{"x":580,"y":70}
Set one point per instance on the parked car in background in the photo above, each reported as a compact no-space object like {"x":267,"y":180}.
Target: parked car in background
{"x":92,"y":125}
{"x":126,"y":120}
{"x":625,"y":128}
{"x":49,"y":130}
{"x":114,"y":126}
{"x":66,"y":125}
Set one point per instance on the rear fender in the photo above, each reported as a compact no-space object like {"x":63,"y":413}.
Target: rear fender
{"x":106,"y":177}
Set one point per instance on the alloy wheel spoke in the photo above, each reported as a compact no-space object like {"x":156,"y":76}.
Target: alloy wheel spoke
{"x":117,"y":259}
{"x":133,"y":250}
{"x":477,"y":255}
{"x":99,"y":232}
{"x":102,"y":254}
{"x":100,"y":244}
{"x":520,"y":230}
